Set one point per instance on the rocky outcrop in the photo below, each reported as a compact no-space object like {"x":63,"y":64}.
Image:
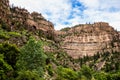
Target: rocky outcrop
{"x":119,"y":34}
{"x":4,"y":8}
{"x":20,"y":18}
{"x":89,"y":39}
{"x":4,"y":11}
{"x":33,"y":21}
{"x":39,"y":22}
{"x":78,"y":41}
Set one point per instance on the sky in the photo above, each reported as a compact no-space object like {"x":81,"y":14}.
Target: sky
{"x":67,"y":13}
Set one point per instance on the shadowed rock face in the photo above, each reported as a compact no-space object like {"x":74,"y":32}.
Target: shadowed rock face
{"x":119,"y":34}
{"x":4,"y":10}
{"x":88,"y":39}
{"x":4,"y":7}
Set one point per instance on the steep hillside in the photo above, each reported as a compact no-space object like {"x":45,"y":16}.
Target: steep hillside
{"x":33,"y":21}
{"x":14,"y":18}
{"x":4,"y":11}
{"x":30,"y":48}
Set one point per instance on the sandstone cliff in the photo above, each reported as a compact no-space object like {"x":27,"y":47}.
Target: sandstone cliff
{"x":4,"y":11}
{"x":19,"y":18}
{"x":15,"y":19}
{"x":78,"y":41}
{"x":33,"y":21}
{"x":89,"y":39}
{"x":4,"y":8}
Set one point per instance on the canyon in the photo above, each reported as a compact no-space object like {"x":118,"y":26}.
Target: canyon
{"x":89,"y":39}
{"x":78,"y":41}
{"x":31,"y":49}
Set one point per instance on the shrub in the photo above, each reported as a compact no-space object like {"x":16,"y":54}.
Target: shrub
{"x":28,"y":75}
{"x":66,"y":74}
{"x":87,"y":72}
{"x":5,"y":69}
{"x":100,"y":76}
{"x":14,"y":34}
{"x":50,"y":70}
{"x":3,"y":35}
{"x":10,"y":53}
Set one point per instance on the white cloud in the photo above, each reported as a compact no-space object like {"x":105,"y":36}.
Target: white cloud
{"x":90,"y":3}
{"x":103,"y":10}
{"x":61,"y":11}
{"x":56,"y":11}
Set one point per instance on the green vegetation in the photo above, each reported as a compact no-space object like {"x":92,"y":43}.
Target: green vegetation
{"x":36,"y":55}
{"x":14,"y":34}
{"x":66,"y":29}
{"x":31,"y":62}
{"x":10,"y":53}
{"x":8,"y":58}
{"x":28,"y":75}
{"x":66,"y":74}
{"x":3,"y":35}
{"x":32,"y":56}
{"x":4,"y":68}
{"x":7,"y":35}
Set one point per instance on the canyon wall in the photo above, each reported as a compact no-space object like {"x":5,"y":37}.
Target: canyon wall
{"x":78,"y":41}
{"x":20,"y":18}
{"x":89,"y":39}
{"x":4,"y":11}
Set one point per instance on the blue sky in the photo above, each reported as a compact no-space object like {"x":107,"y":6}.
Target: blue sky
{"x":67,"y":13}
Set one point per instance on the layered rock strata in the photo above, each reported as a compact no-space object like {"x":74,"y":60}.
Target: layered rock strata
{"x":17,"y":17}
{"x":89,"y":39}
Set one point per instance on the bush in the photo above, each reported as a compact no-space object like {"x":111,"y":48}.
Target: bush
{"x":50,"y":70}
{"x":28,"y":75}
{"x":3,"y":35}
{"x":10,"y":53}
{"x":114,"y":76}
{"x":87,"y":72}
{"x":14,"y":34}
{"x":5,"y":69}
{"x":100,"y":76}
{"x":66,"y":74}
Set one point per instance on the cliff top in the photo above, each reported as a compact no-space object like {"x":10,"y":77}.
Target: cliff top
{"x":97,"y":27}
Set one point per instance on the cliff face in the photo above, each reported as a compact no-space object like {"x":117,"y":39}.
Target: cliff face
{"x":119,"y":34}
{"x":4,"y":11}
{"x":89,"y":39}
{"x":78,"y":41}
{"x":33,"y":21}
{"x":20,"y":18}
{"x":4,"y":8}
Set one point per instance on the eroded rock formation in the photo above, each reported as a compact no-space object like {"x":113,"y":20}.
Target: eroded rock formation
{"x":4,"y":11}
{"x":89,"y":39}
{"x":78,"y":41}
{"x":4,"y":8}
{"x":21,"y":18}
